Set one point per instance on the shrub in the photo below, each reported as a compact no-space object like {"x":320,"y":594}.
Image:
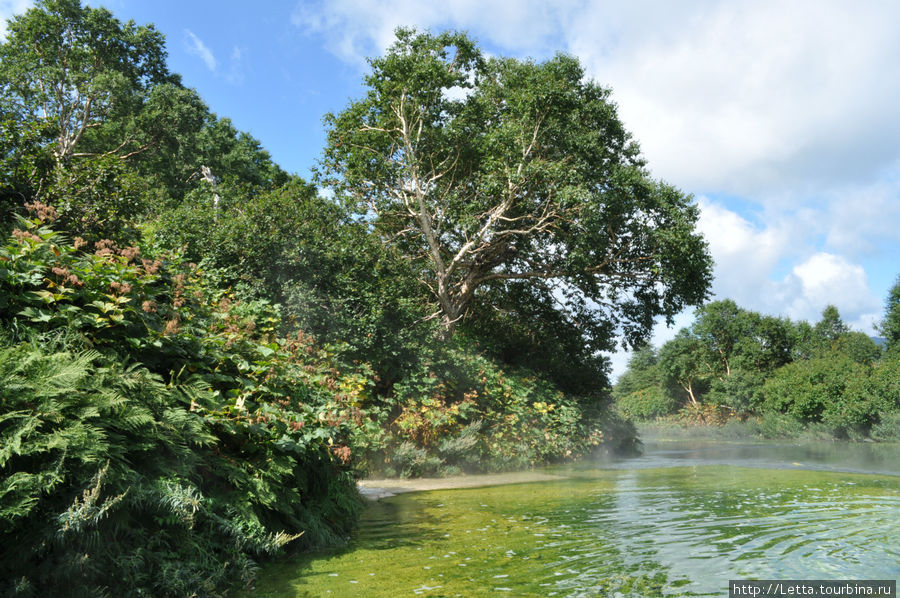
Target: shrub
{"x":647,"y":403}
{"x":461,"y":411}
{"x":888,"y":428}
{"x":831,"y":389}
{"x":703,"y":414}
{"x":741,"y":390}
{"x":776,"y":425}
{"x":163,"y":439}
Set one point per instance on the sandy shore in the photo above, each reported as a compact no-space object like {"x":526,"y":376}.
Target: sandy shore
{"x":375,"y":489}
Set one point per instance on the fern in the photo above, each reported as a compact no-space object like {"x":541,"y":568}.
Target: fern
{"x":153,"y":461}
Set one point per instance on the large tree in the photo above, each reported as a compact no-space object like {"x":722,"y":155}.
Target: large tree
{"x":736,"y":338}
{"x":78,"y":67}
{"x":488,"y":172}
{"x":99,"y":128}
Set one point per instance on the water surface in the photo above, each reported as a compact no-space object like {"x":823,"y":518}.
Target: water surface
{"x":680,"y":521}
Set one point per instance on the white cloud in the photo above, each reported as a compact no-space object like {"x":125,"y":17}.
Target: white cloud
{"x":198,"y":48}
{"x":9,"y":8}
{"x":861,"y":219}
{"x":745,"y":254}
{"x":356,"y":29}
{"x":827,"y":279}
{"x":750,"y":97}
{"x":748,"y":257}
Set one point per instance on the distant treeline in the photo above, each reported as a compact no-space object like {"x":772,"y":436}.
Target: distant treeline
{"x":732,"y":362}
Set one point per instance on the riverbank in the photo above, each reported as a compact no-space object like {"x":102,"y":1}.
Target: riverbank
{"x":811,"y":446}
{"x":767,"y":427}
{"x":377,"y":488}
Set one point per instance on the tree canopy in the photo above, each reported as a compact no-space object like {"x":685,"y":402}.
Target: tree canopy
{"x":487,"y":172}
{"x":76,"y":67}
{"x":93,"y":123}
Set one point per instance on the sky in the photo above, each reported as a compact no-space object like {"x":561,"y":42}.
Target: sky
{"x":780,"y":117}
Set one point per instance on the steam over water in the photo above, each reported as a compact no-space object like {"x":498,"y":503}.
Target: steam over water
{"x":681,"y":521}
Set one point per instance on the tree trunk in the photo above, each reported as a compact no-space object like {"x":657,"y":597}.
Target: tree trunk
{"x":690,"y":390}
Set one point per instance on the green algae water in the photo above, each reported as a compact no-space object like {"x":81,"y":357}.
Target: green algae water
{"x":679,"y":522}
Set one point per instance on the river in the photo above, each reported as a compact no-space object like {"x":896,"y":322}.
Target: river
{"x":682,"y":520}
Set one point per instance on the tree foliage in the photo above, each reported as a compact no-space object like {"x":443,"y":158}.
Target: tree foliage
{"x":79,"y":68}
{"x":643,"y":390}
{"x":100,"y":129}
{"x":890,"y":326}
{"x":491,"y":171}
{"x":331,"y":277}
{"x":823,"y":373}
{"x":682,"y":361}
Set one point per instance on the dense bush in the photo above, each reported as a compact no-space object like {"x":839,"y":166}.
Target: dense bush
{"x":463,"y":411}
{"x":641,"y":392}
{"x":157,"y":438}
{"x":827,"y":389}
{"x":647,"y":403}
{"x":741,"y":391}
{"x":888,"y":428}
{"x":332,"y":279}
{"x":776,"y":425}
{"x":795,"y":379}
{"x":429,"y":411}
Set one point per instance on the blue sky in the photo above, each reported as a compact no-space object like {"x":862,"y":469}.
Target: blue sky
{"x":781,"y":118}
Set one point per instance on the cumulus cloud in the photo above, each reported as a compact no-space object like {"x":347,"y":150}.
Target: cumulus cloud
{"x":750,"y":97}
{"x":198,"y":48}
{"x":745,"y":253}
{"x":749,"y":257}
{"x":356,"y":29}
{"x":744,"y":96}
{"x":828,"y":279}
{"x":9,"y":8}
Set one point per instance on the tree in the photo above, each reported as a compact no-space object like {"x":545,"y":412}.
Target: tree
{"x":682,"y":361}
{"x":831,"y":326}
{"x":103,"y":131}
{"x":77,"y":67}
{"x":328,"y":273}
{"x":736,"y":338}
{"x":830,"y":337}
{"x":775,"y":339}
{"x":858,"y":347}
{"x":521,"y":325}
{"x":832,"y":389}
{"x":642,"y":372}
{"x":890,"y":326}
{"x":720,"y":326}
{"x":22,"y":156}
{"x":490,"y":172}
{"x":641,"y":391}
